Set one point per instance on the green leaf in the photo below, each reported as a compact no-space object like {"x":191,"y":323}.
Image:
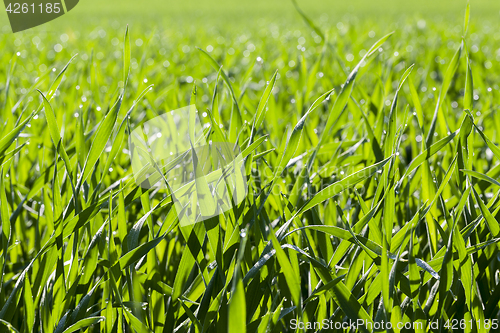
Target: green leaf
{"x":237,"y":310}
{"x":491,"y":221}
{"x":261,"y":108}
{"x":101,"y":137}
{"x":126,"y":58}
{"x":448,"y":77}
{"x":83,"y":323}
{"x":292,"y":277}
{"x":481,"y":176}
{"x":9,"y":138}
{"x":466,"y":22}
{"x":308,"y":21}
{"x":29,"y":305}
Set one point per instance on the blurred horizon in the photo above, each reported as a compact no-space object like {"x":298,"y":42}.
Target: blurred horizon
{"x":242,"y":14}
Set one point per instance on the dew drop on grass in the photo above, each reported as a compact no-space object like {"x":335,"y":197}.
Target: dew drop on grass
{"x":243,"y":233}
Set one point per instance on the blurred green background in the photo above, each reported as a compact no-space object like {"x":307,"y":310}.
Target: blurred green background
{"x":243,"y":14}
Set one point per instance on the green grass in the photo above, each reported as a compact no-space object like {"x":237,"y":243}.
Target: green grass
{"x":377,"y":201}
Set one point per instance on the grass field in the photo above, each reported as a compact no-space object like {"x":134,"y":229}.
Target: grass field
{"x":369,"y":134}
